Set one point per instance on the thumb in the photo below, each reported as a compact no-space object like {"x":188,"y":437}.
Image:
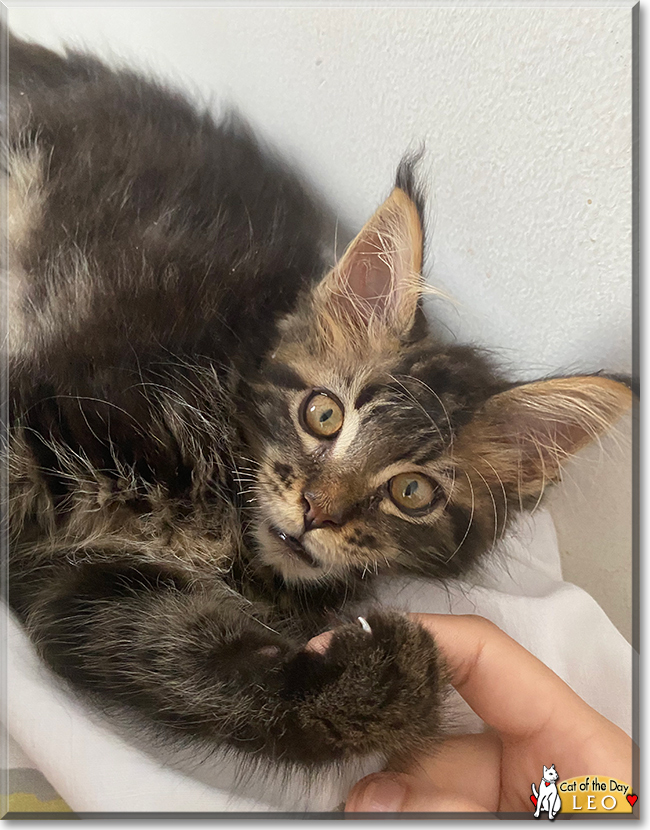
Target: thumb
{"x":387,"y":792}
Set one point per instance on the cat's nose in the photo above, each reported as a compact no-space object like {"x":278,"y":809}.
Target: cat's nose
{"x":317,"y":516}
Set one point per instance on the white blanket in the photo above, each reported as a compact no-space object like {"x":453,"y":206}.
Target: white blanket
{"x":96,"y":768}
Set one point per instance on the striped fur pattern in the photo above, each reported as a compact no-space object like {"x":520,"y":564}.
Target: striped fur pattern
{"x":178,"y":531}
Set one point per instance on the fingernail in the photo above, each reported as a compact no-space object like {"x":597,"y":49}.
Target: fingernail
{"x":382,"y":794}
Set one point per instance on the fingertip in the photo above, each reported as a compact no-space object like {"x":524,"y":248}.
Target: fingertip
{"x":378,"y":793}
{"x":401,"y":793}
{"x":320,"y":643}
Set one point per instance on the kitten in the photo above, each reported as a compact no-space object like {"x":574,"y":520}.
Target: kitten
{"x":216,"y":439}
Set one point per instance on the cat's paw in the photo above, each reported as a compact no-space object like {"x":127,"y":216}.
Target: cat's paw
{"x":373,"y":688}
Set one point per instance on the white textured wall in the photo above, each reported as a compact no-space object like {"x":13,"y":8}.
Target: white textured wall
{"x":526,"y":115}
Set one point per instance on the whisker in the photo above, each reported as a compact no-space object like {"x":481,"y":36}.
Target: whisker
{"x":494,"y":505}
{"x":469,"y":524}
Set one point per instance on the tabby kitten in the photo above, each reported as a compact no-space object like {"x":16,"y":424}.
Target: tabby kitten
{"x":216,"y":440}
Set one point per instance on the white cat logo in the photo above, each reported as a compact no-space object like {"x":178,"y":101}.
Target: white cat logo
{"x":548,"y":798}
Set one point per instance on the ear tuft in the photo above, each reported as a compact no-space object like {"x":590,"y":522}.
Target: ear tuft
{"x":407,"y":181}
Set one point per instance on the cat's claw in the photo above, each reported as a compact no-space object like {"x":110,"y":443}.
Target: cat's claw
{"x":363,"y":622}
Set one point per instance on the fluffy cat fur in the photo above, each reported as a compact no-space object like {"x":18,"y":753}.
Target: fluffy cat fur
{"x":178,"y":531}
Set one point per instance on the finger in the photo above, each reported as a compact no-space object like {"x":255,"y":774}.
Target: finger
{"x":320,"y":643}
{"x":465,"y":765}
{"x":507,"y":687}
{"x":398,"y":793}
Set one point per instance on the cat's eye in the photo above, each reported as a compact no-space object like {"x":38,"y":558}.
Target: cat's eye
{"x":322,"y":415}
{"x":413,"y":492}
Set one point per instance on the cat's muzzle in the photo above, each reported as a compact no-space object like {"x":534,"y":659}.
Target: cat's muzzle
{"x":295,"y":547}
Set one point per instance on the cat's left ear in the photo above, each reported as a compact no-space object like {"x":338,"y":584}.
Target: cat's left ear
{"x":373,"y":291}
{"x":519,"y":440}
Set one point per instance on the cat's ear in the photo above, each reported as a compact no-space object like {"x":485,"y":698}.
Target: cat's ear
{"x":521,"y":437}
{"x":372,"y":293}
{"x":545,"y":770}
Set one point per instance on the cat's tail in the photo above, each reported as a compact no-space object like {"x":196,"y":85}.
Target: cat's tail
{"x":534,"y":789}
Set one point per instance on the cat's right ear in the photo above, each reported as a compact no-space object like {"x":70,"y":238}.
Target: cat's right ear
{"x":371,"y":296}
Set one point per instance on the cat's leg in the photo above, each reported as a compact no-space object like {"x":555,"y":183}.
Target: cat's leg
{"x":554,"y":806}
{"x":546,"y":804}
{"x":199,"y":661}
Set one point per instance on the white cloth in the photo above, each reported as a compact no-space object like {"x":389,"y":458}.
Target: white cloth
{"x":97,"y":769}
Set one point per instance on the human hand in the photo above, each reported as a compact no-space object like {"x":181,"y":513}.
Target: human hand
{"x":535,"y":719}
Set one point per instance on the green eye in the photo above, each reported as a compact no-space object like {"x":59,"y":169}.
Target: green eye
{"x":322,"y":415}
{"x":413,"y":492}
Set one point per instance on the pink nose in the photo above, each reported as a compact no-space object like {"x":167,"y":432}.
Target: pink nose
{"x":317,"y":516}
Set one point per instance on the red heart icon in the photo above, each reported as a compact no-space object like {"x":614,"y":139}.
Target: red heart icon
{"x":632,"y":799}
{"x":534,"y":800}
